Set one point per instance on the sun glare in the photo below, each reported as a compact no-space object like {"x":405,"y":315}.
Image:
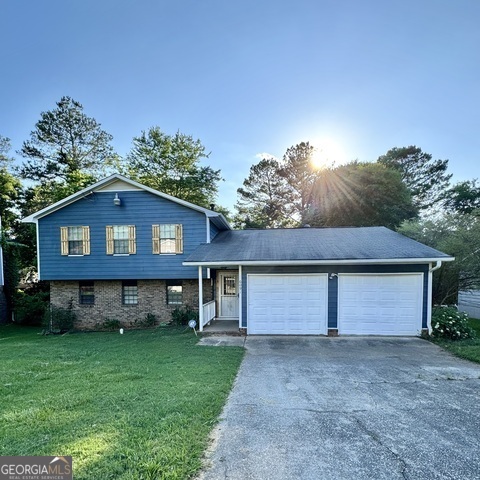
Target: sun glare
{"x":327,"y":153}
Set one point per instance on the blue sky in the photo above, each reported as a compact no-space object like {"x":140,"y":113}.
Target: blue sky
{"x":355,"y":78}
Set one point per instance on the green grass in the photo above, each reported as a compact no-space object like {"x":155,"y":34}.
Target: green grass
{"x":468,"y":349}
{"x":133,"y":406}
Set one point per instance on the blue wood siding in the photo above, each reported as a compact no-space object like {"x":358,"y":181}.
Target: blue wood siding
{"x":213,"y":231}
{"x":333,"y":283}
{"x":138,"y":208}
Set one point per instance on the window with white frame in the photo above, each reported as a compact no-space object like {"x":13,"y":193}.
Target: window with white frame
{"x":121,"y":240}
{"x":75,"y":240}
{"x":167,"y":238}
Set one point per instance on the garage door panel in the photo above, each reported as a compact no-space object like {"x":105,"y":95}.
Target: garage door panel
{"x":288,"y":304}
{"x":389,"y":304}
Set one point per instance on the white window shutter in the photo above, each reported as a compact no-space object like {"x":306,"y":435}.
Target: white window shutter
{"x":178,"y":238}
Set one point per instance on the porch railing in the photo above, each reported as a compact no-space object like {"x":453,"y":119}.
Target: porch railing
{"x":209,"y":312}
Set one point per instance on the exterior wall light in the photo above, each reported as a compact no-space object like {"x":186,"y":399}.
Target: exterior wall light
{"x":117,"y":201}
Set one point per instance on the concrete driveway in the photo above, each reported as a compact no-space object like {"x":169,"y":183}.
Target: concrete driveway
{"x":349,"y":408}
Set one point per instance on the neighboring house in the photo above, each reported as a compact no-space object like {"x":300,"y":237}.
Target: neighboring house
{"x":3,"y":300}
{"x":120,"y":250}
{"x":469,"y":302}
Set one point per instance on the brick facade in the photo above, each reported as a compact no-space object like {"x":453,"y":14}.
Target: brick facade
{"x":152,"y":298}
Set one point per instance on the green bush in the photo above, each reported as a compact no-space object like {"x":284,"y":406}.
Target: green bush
{"x":149,"y":321}
{"x":182,"y":315}
{"x":109,"y":324}
{"x":30,"y":309}
{"x":449,"y":323}
{"x":59,"y":319}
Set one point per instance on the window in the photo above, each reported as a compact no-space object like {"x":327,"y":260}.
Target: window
{"x":167,"y":238}
{"x":75,"y":240}
{"x":121,"y":240}
{"x":129,"y":292}
{"x":174,"y":293}
{"x":86,"y":293}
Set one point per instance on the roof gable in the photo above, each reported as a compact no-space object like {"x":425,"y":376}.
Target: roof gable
{"x":117,"y":182}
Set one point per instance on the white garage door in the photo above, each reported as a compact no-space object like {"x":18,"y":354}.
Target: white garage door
{"x":287,"y":304}
{"x":380,"y":304}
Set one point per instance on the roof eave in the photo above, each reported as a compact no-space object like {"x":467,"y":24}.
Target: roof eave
{"x":34,"y":217}
{"x":370,"y":261}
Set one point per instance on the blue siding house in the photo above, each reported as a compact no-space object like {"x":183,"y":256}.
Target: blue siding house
{"x":115,"y":250}
{"x":120,"y":250}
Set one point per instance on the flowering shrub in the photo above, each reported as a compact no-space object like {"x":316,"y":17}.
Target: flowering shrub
{"x":448,"y":322}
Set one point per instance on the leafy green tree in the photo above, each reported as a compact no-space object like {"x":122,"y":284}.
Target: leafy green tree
{"x":171,"y":164}
{"x":66,"y":141}
{"x":458,"y":235}
{"x":463,"y":197}
{"x":264,"y":199}
{"x":301,"y":177}
{"x":426,"y":178}
{"x":360,"y":194}
{"x":10,"y":187}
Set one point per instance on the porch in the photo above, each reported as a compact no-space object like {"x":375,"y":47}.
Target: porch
{"x":222,"y":314}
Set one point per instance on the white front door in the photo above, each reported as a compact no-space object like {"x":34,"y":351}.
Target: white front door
{"x":228,"y":294}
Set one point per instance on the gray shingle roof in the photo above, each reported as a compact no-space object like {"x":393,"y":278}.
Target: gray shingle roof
{"x":312,"y":244}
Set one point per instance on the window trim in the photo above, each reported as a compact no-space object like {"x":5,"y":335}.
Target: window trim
{"x":157,"y":239}
{"x":174,"y":283}
{"x":110,"y":240}
{"x":81,"y":297}
{"x":129,"y":283}
{"x":65,"y":242}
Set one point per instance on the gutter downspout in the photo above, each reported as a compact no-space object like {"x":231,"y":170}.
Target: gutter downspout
{"x":430,"y":287}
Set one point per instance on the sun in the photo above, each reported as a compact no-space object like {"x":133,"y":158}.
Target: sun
{"x":327,"y":153}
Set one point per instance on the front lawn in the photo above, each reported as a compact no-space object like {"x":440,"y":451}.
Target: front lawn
{"x":468,"y":349}
{"x":133,"y":406}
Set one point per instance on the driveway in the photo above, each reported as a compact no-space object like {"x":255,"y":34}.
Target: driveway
{"x":349,"y":408}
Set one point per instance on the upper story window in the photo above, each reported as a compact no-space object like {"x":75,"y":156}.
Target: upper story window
{"x":86,"y":293}
{"x":121,"y":240}
{"x":75,"y":240}
{"x":167,"y":238}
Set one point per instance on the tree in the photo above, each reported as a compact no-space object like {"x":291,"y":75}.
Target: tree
{"x":264,"y":198}
{"x":426,"y":178}
{"x":458,"y":235}
{"x":360,"y":194}
{"x":66,"y":141}
{"x":463,"y":197}
{"x":9,"y":186}
{"x":171,"y":164}
{"x":301,"y":177}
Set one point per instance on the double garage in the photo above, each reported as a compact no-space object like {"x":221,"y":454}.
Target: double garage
{"x":351,"y":303}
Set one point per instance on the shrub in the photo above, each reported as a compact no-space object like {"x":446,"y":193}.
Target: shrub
{"x":449,"y":323}
{"x":149,"y":321}
{"x":182,"y":315}
{"x":30,"y":309}
{"x":110,"y":324}
{"x":59,"y":319}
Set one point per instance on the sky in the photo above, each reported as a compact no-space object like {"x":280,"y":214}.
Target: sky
{"x":251,"y":78}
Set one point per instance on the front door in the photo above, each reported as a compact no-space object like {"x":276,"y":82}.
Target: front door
{"x":228,"y":294}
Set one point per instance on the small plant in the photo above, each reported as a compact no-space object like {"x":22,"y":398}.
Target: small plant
{"x":59,"y":319}
{"x":182,"y":315}
{"x":110,"y":324}
{"x":149,"y":321}
{"x":449,"y":323}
